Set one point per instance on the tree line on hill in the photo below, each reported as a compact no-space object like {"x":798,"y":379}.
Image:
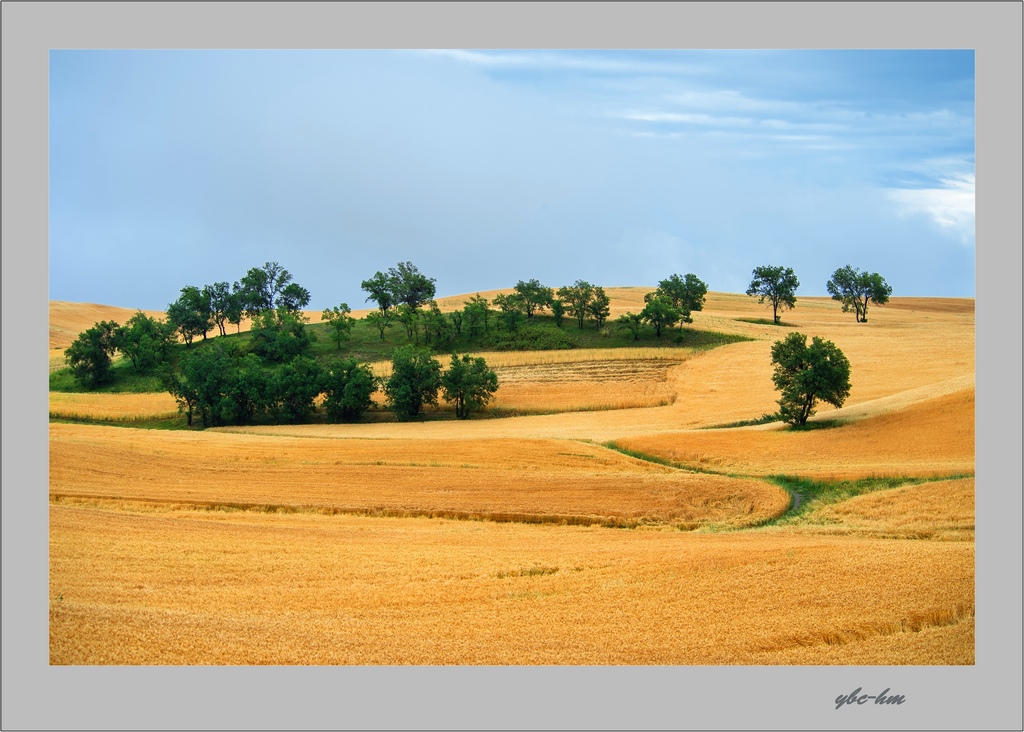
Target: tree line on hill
{"x":275,"y":378}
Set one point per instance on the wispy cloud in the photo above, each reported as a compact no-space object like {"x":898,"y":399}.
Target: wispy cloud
{"x":950,"y":205}
{"x":583,"y":61}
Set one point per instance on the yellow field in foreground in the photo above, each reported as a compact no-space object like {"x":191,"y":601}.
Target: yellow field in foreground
{"x":231,"y":588}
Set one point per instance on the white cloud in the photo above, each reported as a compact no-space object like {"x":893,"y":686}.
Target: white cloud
{"x":950,"y":206}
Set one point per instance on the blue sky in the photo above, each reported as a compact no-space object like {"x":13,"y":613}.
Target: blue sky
{"x":175,"y":168}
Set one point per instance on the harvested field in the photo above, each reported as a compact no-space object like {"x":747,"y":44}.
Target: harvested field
{"x":116,"y":407}
{"x":580,"y":386}
{"x":936,"y":437}
{"x":182,"y":587}
{"x":943,"y":509}
{"x":523,"y":480}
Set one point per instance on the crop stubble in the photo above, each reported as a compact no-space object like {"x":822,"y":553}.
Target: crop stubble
{"x":185,"y":588}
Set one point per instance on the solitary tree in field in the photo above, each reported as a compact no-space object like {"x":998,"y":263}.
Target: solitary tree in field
{"x":777,"y":285}
{"x":414,"y":382}
{"x":808,"y":374}
{"x":468,"y":384}
{"x":854,"y":288}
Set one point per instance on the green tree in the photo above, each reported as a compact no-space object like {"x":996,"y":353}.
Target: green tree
{"x":205,"y":376}
{"x":438,"y":328}
{"x":512,"y":308}
{"x":855,"y":289}
{"x":190,"y":314}
{"x":341,"y":321}
{"x":410,"y":318}
{"x":535,"y":296}
{"x":234,"y":307}
{"x":381,"y":291}
{"x":468,"y":384}
{"x":280,"y":335}
{"x":143,"y":340}
{"x":293,"y":389}
{"x":659,"y":312}
{"x":778,"y":285}
{"x":557,"y":310}
{"x":576,"y":298}
{"x":687,"y":294}
{"x":631,"y":322}
{"x":414,"y":382}
{"x":409,"y":286}
{"x":293,"y":298}
{"x":477,"y":314}
{"x":599,"y":307}
{"x":457,"y":317}
{"x":381,"y":321}
{"x":90,"y":356}
{"x":185,"y":394}
{"x":247,"y":390}
{"x":219,"y":297}
{"x":348,"y":388}
{"x":806,"y":375}
{"x":263,"y":287}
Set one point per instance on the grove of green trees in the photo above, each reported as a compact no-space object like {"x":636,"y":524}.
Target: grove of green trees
{"x":278,"y":372}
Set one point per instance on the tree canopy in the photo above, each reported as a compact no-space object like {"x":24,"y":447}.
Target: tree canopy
{"x":414,"y":382}
{"x":854,"y":289}
{"x":659,"y":312}
{"x":535,"y":296}
{"x":576,"y":298}
{"x":468,"y":384}
{"x":778,"y":285}
{"x":90,"y":355}
{"x":403,"y":284}
{"x":808,"y":374}
{"x":686,"y":294}
{"x":190,"y":314}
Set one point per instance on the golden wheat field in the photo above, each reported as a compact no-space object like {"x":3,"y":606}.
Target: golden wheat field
{"x":601,"y":515}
